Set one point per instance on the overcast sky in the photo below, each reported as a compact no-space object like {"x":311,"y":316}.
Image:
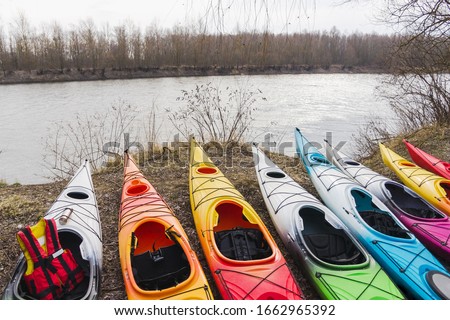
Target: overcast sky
{"x":224,"y":15}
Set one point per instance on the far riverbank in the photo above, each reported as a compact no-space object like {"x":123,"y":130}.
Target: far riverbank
{"x":89,"y":74}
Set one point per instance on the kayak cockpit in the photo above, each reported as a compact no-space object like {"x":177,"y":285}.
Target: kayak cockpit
{"x":444,"y":187}
{"x":409,"y":202}
{"x":377,"y":218}
{"x":157,"y":259}
{"x":327,"y":243}
{"x":236,"y":237}
{"x":70,"y":241}
{"x":317,"y":159}
{"x":440,"y":283}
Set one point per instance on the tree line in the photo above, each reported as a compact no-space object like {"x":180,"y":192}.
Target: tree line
{"x":126,"y":46}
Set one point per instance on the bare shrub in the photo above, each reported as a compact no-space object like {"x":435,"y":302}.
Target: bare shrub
{"x":215,"y":114}
{"x":369,"y":135}
{"x":421,"y":99}
{"x":97,"y":137}
{"x":421,"y":62}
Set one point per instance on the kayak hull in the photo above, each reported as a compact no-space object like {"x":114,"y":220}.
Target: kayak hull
{"x":251,"y":270}
{"x":311,"y":232}
{"x":428,"y":161}
{"x":157,"y":260}
{"x":433,"y":188}
{"x":429,"y":225}
{"x":399,"y":253}
{"x":81,"y":233}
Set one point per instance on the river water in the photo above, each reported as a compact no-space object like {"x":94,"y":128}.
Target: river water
{"x":319,"y":104}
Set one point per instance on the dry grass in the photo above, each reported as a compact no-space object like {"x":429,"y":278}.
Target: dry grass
{"x":432,"y":139}
{"x":169,"y":175}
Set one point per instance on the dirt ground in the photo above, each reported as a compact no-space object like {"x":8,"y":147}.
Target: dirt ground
{"x":23,"y":204}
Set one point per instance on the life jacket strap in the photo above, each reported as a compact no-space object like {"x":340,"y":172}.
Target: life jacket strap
{"x":56,"y":271}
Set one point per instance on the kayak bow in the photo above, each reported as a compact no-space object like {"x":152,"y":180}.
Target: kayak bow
{"x":427,"y":161}
{"x":77,"y":220}
{"x":334,"y":261}
{"x":156,"y":257}
{"x":243,"y":257}
{"x":396,"y":249}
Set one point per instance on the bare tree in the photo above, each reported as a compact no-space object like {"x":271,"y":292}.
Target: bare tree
{"x":76,"y":49}
{"x":89,"y":39}
{"x":421,"y":61}
{"x":21,"y":38}
{"x":59,"y":45}
{"x":120,"y":50}
{"x":207,"y":44}
{"x":3,"y":51}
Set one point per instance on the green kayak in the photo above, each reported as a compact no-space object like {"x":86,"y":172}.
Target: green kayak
{"x":337,"y":265}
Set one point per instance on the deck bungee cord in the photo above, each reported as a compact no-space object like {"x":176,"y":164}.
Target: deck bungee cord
{"x":333,"y":260}
{"x":241,"y":253}
{"x":396,"y":248}
{"x":262,"y":280}
{"x":156,"y":258}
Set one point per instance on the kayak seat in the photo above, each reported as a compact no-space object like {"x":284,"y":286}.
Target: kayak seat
{"x":160,"y":269}
{"x":376,"y":218}
{"x":410,"y":202}
{"x":423,"y":213}
{"x":333,"y":248}
{"x":72,"y":241}
{"x":242,"y":244}
{"x":383,"y":223}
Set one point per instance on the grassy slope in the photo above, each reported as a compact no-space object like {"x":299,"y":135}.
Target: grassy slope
{"x":434,"y":140}
{"x":23,"y":204}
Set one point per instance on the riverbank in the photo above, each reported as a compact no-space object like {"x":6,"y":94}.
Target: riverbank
{"x":23,"y":204}
{"x":72,"y":74}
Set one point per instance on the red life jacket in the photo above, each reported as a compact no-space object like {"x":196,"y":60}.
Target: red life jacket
{"x":55,"y":270}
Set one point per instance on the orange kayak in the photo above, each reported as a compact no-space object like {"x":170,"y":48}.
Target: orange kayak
{"x":156,"y":258}
{"x":244,"y":260}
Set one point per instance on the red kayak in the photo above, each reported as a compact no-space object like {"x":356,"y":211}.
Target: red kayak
{"x":427,"y":161}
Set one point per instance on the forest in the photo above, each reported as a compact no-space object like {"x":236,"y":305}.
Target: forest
{"x":128,"y":47}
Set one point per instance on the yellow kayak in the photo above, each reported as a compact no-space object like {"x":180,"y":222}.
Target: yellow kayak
{"x":245,"y":261}
{"x":433,"y":188}
{"x":156,"y":257}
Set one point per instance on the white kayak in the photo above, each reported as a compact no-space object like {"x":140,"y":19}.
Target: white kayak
{"x":336,"y":264}
{"x":412,"y":267}
{"x":429,"y":225}
{"x":77,"y":219}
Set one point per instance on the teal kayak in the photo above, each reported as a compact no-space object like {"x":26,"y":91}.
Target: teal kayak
{"x":429,"y":225}
{"x":412,"y":267}
{"x":335,"y":262}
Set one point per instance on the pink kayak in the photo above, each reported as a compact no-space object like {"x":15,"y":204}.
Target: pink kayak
{"x":427,"y":161}
{"x":428,"y":224}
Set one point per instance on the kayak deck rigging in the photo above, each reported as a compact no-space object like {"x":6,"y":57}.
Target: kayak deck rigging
{"x":322,"y":277}
{"x":231,"y":190}
{"x":230,"y":287}
{"x":129,"y":214}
